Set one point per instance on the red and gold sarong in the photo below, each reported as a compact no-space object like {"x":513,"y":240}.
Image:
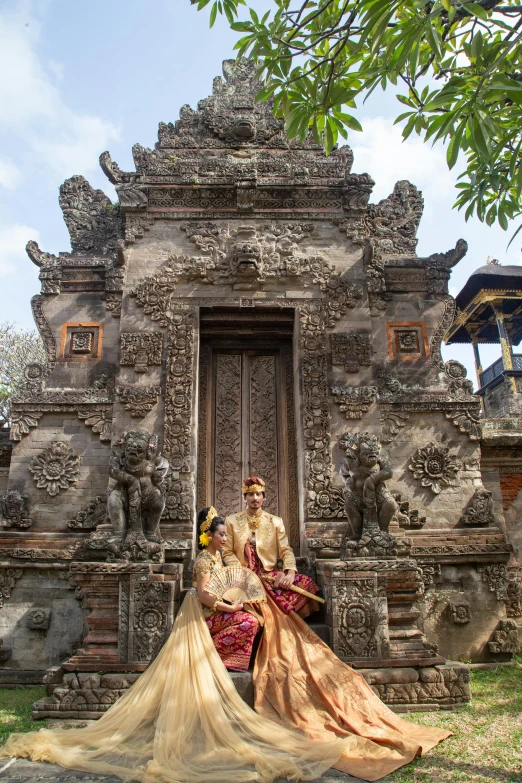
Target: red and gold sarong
{"x":233,"y":636}
{"x":287,"y":600}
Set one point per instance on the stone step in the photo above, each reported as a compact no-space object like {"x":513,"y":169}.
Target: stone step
{"x":401,"y":687}
{"x":405,"y":633}
{"x":405,"y":617}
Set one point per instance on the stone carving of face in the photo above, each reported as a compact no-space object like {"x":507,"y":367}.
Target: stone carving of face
{"x":369,"y":455}
{"x":244,"y":128}
{"x":135,"y":450}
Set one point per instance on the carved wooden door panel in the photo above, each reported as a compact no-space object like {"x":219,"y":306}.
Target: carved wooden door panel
{"x":246,"y":425}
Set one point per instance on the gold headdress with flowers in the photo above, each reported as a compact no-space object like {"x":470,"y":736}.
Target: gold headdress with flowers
{"x":204,"y":538}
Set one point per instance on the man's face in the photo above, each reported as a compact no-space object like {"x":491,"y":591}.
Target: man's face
{"x":254,"y":500}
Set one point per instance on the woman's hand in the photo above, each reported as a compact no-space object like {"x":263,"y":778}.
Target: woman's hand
{"x":237,"y":606}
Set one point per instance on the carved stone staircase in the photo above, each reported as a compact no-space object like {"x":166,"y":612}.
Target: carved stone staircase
{"x":132,"y":606}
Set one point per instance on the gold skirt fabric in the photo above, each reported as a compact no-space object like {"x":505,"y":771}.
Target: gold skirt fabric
{"x":182,"y":722}
{"x":301,"y":684}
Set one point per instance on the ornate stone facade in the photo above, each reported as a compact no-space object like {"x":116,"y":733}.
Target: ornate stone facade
{"x":230,"y":244}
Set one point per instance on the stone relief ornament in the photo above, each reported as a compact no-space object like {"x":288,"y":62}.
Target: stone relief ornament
{"x":136,"y":496}
{"x":145,"y":611}
{"x":429,"y":573}
{"x":496,"y":576}
{"x":360,"y":614}
{"x":14,"y":509}
{"x":351,"y":350}
{"x":394,"y":221}
{"x":90,"y":517}
{"x":407,"y":517}
{"x":45,"y":330}
{"x":138,"y":400}
{"x":434,"y":467}
{"x":99,"y":418}
{"x":354,"y":401}
{"x":141,"y":350}
{"x":94,"y":223}
{"x":245,"y":257}
{"x":370,"y":506}
{"x":177,"y":499}
{"x":505,"y":638}
{"x":56,"y":468}
{"x":38,"y":619}
{"x":8,"y":579}
{"x":479,"y":512}
{"x":460,"y":612}
{"x":392,"y":422}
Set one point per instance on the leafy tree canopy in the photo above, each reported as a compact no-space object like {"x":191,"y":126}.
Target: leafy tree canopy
{"x":18,"y":348}
{"x":459,"y":64}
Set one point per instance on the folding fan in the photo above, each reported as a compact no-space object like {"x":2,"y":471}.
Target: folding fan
{"x":236,"y":583}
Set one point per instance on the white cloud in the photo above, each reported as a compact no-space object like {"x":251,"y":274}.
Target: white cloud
{"x":381,"y":152}
{"x":32,"y":106}
{"x":10,"y":175}
{"x":13,"y":240}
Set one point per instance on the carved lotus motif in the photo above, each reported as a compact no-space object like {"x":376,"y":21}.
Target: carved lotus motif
{"x":55,"y":468}
{"x":434,"y":467}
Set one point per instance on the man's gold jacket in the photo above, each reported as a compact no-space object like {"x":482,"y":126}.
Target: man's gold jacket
{"x":271,"y":541}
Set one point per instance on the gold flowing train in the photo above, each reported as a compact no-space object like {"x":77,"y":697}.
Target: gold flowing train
{"x":182,"y":721}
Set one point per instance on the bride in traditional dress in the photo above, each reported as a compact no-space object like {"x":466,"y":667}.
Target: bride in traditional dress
{"x":184,"y":722}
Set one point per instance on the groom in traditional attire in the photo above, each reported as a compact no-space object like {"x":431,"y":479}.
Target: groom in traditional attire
{"x":258,"y":540}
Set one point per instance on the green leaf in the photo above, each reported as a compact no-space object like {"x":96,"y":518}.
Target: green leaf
{"x":453,"y":150}
{"x":514,"y":235}
{"x":476,"y":10}
{"x":408,"y":128}
{"x":213,"y":14}
{"x":349,"y":121}
{"x":502,"y":219}
{"x":329,"y":139}
{"x":476,"y":44}
{"x":519,"y":180}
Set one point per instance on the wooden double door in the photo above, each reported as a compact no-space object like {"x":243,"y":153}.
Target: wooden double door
{"x":246,"y":417}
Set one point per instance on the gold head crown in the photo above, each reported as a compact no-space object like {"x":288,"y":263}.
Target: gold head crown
{"x":204,"y":538}
{"x":247,"y":488}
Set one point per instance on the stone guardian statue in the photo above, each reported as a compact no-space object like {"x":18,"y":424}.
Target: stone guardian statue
{"x":136,"y":497}
{"x":370,"y":507}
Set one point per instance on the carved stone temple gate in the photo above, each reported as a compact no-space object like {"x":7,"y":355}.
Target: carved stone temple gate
{"x":244,"y":307}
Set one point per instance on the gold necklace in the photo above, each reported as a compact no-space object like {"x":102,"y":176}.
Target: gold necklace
{"x":254,"y":521}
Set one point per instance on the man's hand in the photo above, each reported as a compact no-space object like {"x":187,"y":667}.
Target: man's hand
{"x":285,"y":580}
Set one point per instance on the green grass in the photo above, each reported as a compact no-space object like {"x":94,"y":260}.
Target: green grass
{"x":486,"y":746}
{"x":15,"y":710}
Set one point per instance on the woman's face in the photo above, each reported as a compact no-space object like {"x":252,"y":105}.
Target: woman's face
{"x":219,"y":537}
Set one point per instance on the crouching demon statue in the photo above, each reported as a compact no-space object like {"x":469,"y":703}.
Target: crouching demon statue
{"x":370,"y":507}
{"x":136,"y":497}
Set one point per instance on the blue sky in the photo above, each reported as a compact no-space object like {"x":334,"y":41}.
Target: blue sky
{"x":82,"y":77}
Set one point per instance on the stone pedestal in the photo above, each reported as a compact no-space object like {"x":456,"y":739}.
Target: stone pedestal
{"x":132,"y":609}
{"x":372,"y":617}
